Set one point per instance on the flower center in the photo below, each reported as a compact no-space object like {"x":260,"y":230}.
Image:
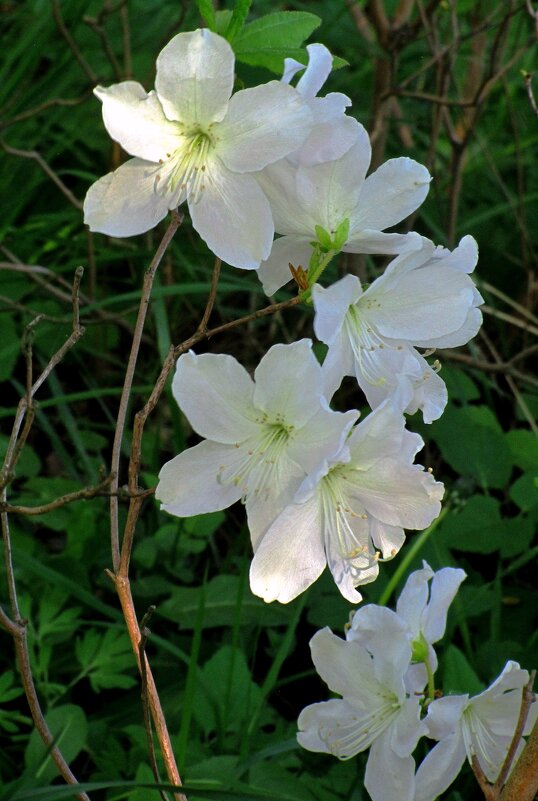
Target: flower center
{"x":257,"y":472}
{"x":353,"y":734}
{"x":346,"y":527}
{"x":364,"y":341}
{"x":187,"y":165}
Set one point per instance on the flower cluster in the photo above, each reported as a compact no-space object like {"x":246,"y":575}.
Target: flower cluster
{"x":384,"y":672}
{"x":320,"y":489}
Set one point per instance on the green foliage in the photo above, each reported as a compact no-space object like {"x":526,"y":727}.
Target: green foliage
{"x":233,"y":673}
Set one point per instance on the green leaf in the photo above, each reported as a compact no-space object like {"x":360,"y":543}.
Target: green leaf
{"x":524,"y":491}
{"x":458,"y":675}
{"x":221,"y":605}
{"x":239,"y":15}
{"x":207,"y":12}
{"x":523,"y":445}
{"x":267,"y":41}
{"x":473,"y":444}
{"x":69,"y":729}
{"x":225,"y":693}
{"x":106,"y":659}
{"x":477,"y":527}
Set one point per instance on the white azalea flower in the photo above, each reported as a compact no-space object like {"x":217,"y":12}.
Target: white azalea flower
{"x":423,"y":608}
{"x":333,"y":132}
{"x":263,"y":436}
{"x":482,"y":726}
{"x":192,"y":141}
{"x":375,"y":711}
{"x":348,"y":513}
{"x":424,"y":299}
{"x":327,"y":194}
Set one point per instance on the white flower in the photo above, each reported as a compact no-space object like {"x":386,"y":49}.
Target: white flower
{"x":192,"y":141}
{"x":482,"y":726}
{"x":423,"y":609}
{"x":348,"y":513}
{"x":375,"y":711}
{"x":303,"y":197}
{"x":424,"y":299}
{"x":333,"y":133}
{"x":262,"y":437}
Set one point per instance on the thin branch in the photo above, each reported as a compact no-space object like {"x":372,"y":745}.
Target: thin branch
{"x":509,"y":318}
{"x":97,"y":28}
{"x":55,"y":101}
{"x":219,"y":329}
{"x":527,"y":698}
{"x":57,"y":13}
{"x":123,"y":589}
{"x":33,"y":154}
{"x":78,"y":495}
{"x":144,"y":634}
{"x":530,"y":94}
{"x":522,"y":784}
{"x":175,"y":222}
{"x":25,"y":669}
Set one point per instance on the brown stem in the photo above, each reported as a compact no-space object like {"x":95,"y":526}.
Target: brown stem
{"x":523,"y":782}
{"x":144,"y":634}
{"x":527,"y":699}
{"x":33,"y":154}
{"x":175,"y":222}
{"x":25,"y":669}
{"x":123,"y":589}
{"x":57,"y":503}
{"x":57,"y":13}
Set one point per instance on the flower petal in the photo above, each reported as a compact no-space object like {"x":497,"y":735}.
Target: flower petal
{"x":195,"y":75}
{"x":189,"y":485}
{"x":340,"y":662}
{"x":329,"y":192}
{"x":290,"y":556}
{"x":275,"y":271}
{"x":366,"y":240}
{"x":233,"y":217}
{"x":320,"y":62}
{"x":263,"y":124}
{"x":124,"y":202}
{"x":289,"y":383}
{"x":391,"y":193}
{"x":439,"y":769}
{"x":322,"y":438}
{"x":397,"y":494}
{"x":328,"y":140}
{"x":412,"y":306}
{"x":215,"y":393}
{"x":445,"y":584}
{"x":136,"y":120}
{"x":331,"y":305}
{"x":389,"y":777}
{"x":413,"y":599}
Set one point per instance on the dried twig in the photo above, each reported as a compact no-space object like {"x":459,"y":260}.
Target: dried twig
{"x":17,"y":626}
{"x":57,"y":13}
{"x":33,"y":154}
{"x":131,"y":364}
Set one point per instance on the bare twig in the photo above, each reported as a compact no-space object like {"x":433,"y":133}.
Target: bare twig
{"x":17,"y":626}
{"x":96,"y":26}
{"x":144,"y":634}
{"x":527,"y":699}
{"x":55,"y":101}
{"x":57,"y":12}
{"x":527,"y":76}
{"x":131,"y":364}
{"x":57,"y":503}
{"x":33,"y":154}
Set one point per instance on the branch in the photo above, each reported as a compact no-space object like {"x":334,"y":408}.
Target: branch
{"x":527,"y":698}
{"x":129,"y":375}
{"x":33,"y":154}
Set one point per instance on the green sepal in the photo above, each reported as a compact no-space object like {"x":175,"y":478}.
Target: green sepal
{"x":341,"y":235}
{"x":420,"y":650}
{"x":324,"y":238}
